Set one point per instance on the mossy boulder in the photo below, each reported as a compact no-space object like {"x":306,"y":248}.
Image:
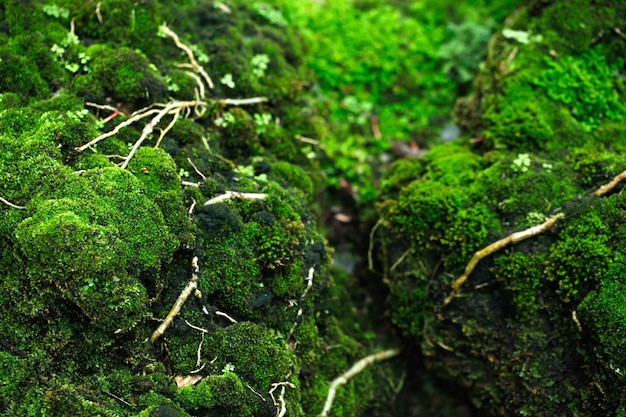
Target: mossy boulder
{"x":106,"y":208}
{"x":528,"y":332}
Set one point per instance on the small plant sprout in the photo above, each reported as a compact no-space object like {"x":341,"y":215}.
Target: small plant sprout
{"x":225,"y":120}
{"x":534,"y":217}
{"x":259,"y":64}
{"x":57,"y":50}
{"x":262,"y":121}
{"x":56,"y":11}
{"x":228,"y":81}
{"x":171,"y":85}
{"x":72,"y":67}
{"x":272,"y":15}
{"x":521,"y":163}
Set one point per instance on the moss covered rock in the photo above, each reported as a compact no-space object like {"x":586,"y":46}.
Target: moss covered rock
{"x":127,"y":157}
{"x":528,"y":332}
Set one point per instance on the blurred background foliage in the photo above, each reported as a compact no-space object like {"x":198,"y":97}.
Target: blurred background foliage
{"x":389,"y":72}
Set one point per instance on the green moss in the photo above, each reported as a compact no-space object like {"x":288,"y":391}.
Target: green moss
{"x":123,"y":23}
{"x":602,"y":312}
{"x":438,"y":217}
{"x":214,"y":391}
{"x":121,"y":74}
{"x":239,"y":137}
{"x":295,"y":177}
{"x":595,"y":166}
{"x":27,"y":68}
{"x":158,"y":172}
{"x":573,"y":27}
{"x":521,"y":275}
{"x":520,"y":123}
{"x":100,"y":252}
{"x":259,"y":355}
{"x":585,"y":85}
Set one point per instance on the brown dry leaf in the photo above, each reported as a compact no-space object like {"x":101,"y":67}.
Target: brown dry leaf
{"x":187,"y":380}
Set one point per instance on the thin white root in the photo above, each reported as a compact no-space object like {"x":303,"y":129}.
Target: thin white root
{"x":195,"y":168}
{"x":169,"y":127}
{"x":226,"y":316}
{"x":133,"y":119}
{"x":281,"y":407}
{"x":235,"y":194}
{"x":15,"y":206}
{"x":241,"y":101}
{"x":350,"y":373}
{"x":192,"y":58}
{"x":309,"y":284}
{"x":370,"y":250}
{"x":174,"y":107}
{"x":192,"y":286}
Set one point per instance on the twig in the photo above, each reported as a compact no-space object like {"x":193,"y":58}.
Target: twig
{"x":192,"y":59}
{"x":235,"y":194}
{"x":201,"y":90}
{"x":519,"y":236}
{"x":192,"y":286}
{"x":350,"y":373}
{"x":98,"y":14}
{"x":15,"y":206}
{"x":610,"y":185}
{"x":400,"y":260}
{"x":256,"y":393}
{"x":12,"y":348}
{"x":496,"y":246}
{"x":200,"y":329}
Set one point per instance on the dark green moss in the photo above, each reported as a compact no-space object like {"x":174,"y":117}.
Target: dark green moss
{"x":529,"y":332}
{"x":121,"y":74}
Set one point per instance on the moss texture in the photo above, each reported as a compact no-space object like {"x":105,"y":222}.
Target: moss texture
{"x":529,"y":332}
{"x":93,"y":254}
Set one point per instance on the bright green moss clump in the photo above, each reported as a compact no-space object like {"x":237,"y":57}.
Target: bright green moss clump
{"x":585,"y":84}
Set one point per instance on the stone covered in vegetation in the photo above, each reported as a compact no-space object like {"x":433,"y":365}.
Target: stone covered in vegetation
{"x":538,"y":327}
{"x":97,"y":241}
